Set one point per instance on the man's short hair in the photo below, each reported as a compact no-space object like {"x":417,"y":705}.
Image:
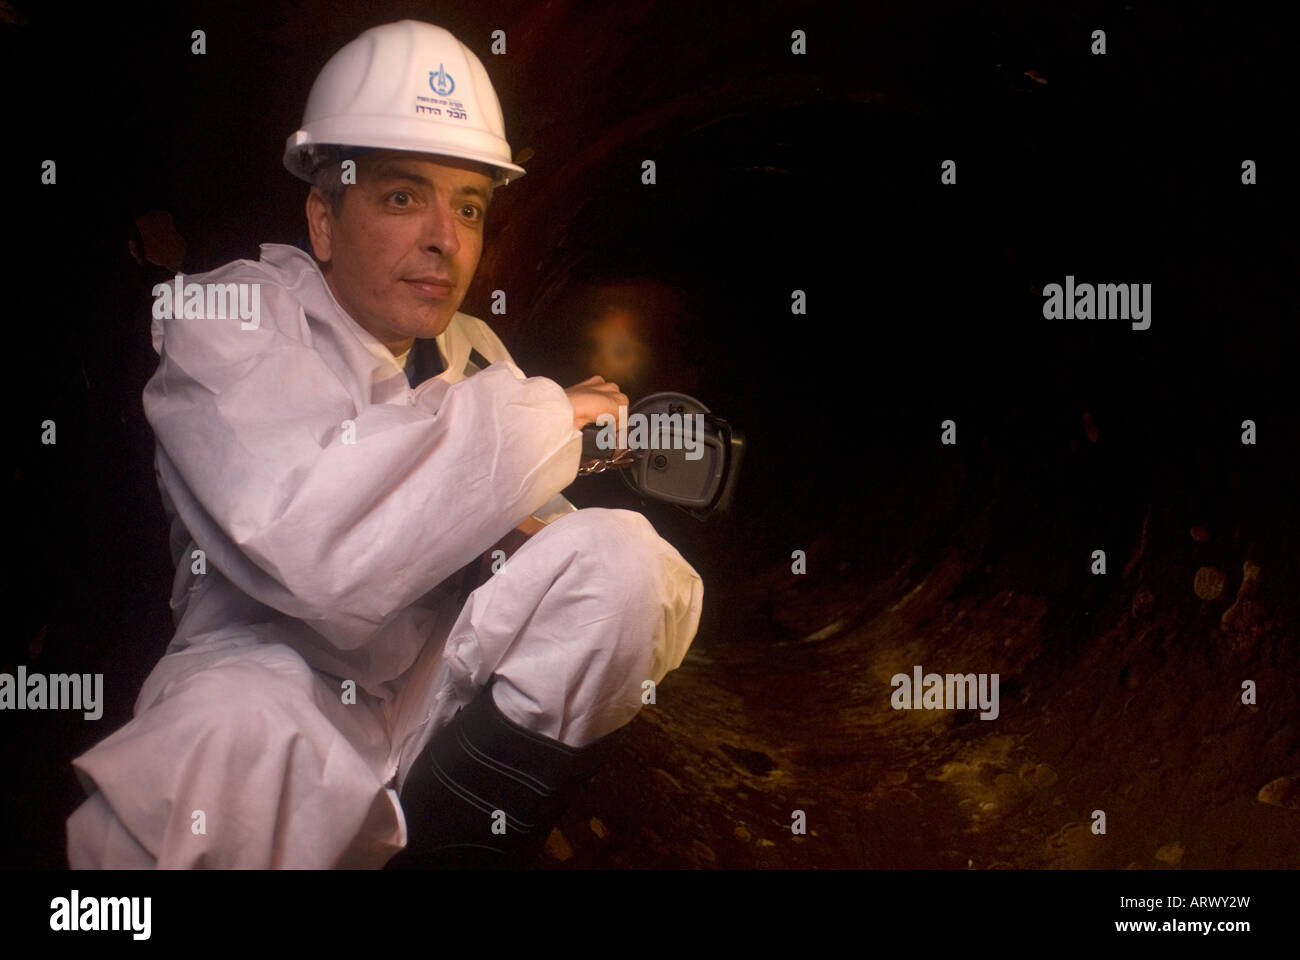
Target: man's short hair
{"x":328,"y":176}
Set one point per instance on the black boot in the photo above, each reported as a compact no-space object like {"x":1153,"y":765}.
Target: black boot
{"x":482,"y":763}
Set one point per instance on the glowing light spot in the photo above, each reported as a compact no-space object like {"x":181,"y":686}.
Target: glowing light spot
{"x":617,"y":352}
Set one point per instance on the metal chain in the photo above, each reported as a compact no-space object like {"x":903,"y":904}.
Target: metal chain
{"x":624,"y":458}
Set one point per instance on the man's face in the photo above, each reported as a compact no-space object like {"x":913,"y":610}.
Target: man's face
{"x":402,"y":254}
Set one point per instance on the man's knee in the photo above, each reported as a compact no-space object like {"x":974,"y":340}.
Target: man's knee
{"x":233,"y":712}
{"x":634,"y":581}
{"x":240,"y":745}
{"x":576,"y":623}
{"x":621,"y":552}
{"x":600,"y":527}
{"x":243,"y":698}
{"x":98,"y":841}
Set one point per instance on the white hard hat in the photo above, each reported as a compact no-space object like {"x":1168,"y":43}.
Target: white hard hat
{"x":404,"y":86}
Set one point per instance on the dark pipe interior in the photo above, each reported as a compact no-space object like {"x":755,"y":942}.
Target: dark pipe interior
{"x":775,"y":173}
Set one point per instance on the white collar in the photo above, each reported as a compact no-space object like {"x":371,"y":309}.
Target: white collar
{"x":281,"y":254}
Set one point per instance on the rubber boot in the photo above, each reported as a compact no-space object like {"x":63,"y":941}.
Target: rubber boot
{"x":485,"y":793}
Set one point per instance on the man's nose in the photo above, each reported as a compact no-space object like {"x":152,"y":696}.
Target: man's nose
{"x":439,"y":231}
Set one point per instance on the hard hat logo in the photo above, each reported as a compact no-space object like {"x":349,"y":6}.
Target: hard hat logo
{"x":441,"y":82}
{"x":361,"y":100}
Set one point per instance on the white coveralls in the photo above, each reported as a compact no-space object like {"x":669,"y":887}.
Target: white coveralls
{"x":332,"y":503}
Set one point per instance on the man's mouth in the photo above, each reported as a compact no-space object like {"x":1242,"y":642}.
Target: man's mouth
{"x":434,"y":287}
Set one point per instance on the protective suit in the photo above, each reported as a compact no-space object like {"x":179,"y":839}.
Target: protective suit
{"x":324,"y":641}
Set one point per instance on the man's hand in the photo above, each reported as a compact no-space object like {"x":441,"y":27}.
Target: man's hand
{"x":593,"y":397}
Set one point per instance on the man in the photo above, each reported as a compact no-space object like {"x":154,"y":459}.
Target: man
{"x":325,"y":487}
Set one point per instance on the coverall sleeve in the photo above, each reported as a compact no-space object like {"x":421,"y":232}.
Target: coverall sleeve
{"x":324,"y":506}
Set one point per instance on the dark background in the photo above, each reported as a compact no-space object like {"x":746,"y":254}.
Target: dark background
{"x":775,"y":172}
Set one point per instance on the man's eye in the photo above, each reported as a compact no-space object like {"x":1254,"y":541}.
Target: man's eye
{"x":399,"y":197}
{"x":474,"y":212}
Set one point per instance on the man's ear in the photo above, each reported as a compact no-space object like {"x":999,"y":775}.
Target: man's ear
{"x":319,"y":225}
